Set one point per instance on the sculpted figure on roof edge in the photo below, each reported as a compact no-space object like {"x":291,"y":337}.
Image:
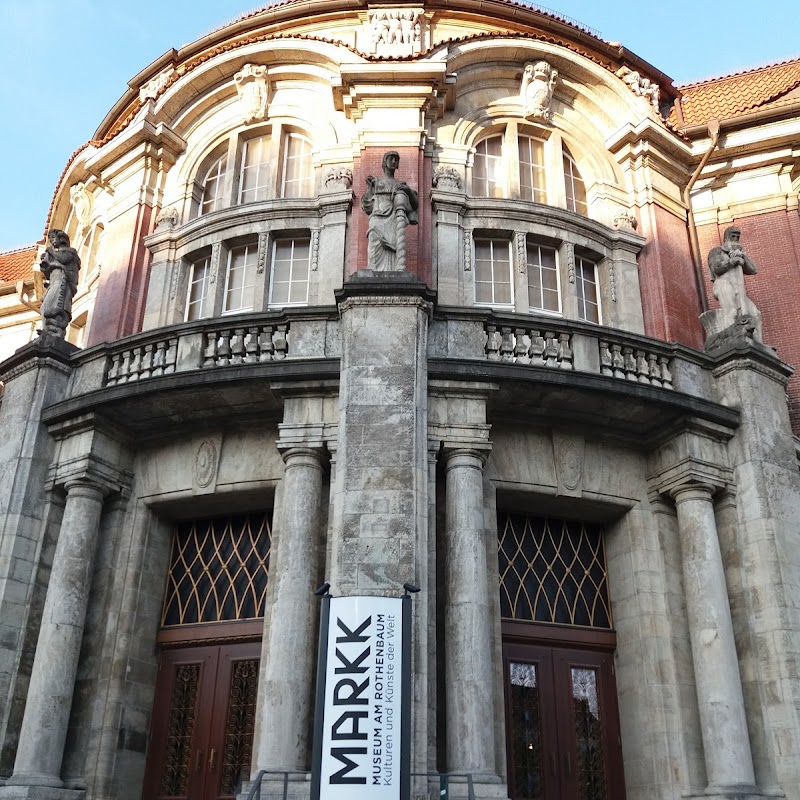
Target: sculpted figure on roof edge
{"x":392,"y":205}
{"x":60,"y":265}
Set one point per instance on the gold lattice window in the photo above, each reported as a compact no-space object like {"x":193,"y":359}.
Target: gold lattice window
{"x":552,"y":570}
{"x":218,"y":570}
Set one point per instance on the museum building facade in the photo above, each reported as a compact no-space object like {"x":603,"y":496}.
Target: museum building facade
{"x":378,"y":293}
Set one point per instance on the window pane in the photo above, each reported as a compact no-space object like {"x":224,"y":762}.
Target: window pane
{"x":588,"y":735}
{"x":493,"y":272}
{"x":290,"y":271}
{"x":213,"y":186}
{"x":240,"y":280}
{"x":526,"y":731}
{"x":574,"y":186}
{"x":542,"y":278}
{"x":298,"y":170}
{"x":586,"y":290}
{"x":487,"y":172}
{"x":255,"y":173}
{"x":198,"y":287}
{"x":531,"y":169}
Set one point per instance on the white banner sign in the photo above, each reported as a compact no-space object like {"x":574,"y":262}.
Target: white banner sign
{"x":361,"y":739}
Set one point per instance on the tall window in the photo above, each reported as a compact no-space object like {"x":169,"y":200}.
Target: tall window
{"x":531,"y":169}
{"x":254,"y":180}
{"x":493,"y":276}
{"x":573,"y":183}
{"x":488,"y":172}
{"x":298,"y":172}
{"x":240,"y":279}
{"x":586,"y":288}
{"x":542,"y":278}
{"x":290,"y":263}
{"x":197,"y":289}
{"x":213,"y":186}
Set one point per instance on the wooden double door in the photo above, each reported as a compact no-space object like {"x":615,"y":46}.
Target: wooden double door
{"x":201,"y":735}
{"x":562,"y":723}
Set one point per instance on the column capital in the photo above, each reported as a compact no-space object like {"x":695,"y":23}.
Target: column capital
{"x":302,"y":456}
{"x":691,"y":475}
{"x":87,"y":486}
{"x":692,"y":490}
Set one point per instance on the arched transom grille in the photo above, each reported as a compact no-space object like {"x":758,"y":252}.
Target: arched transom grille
{"x":218,"y":570}
{"x":552,"y":570}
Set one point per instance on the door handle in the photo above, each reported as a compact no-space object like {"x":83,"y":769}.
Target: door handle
{"x":198,"y":760}
{"x":569,"y":766}
{"x":212,"y":760}
{"x":552,"y":765}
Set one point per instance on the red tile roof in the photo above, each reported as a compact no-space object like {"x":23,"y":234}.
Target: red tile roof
{"x":17,"y":264}
{"x":740,"y":93}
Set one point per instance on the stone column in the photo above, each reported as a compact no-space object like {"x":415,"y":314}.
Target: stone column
{"x":726,"y":743}
{"x":44,"y":726}
{"x":287,"y":681}
{"x":468,"y":653}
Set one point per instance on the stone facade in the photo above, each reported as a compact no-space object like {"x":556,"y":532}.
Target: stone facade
{"x":539,"y":359}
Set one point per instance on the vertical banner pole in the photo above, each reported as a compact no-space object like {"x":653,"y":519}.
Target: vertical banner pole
{"x":319,"y":704}
{"x":405,"y":699}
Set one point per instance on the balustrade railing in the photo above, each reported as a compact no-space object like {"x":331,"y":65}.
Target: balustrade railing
{"x":245,"y":344}
{"x":142,"y":361}
{"x":528,"y":344}
{"x":638,"y":364}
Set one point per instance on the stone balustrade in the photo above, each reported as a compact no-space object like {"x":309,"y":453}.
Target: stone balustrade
{"x":620,"y":360}
{"x":520,"y":340}
{"x":528,"y":344}
{"x":245,"y":344}
{"x":143,"y":361}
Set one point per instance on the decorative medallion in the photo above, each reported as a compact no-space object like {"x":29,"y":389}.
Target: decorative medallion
{"x":205,"y":463}
{"x":568,"y":457}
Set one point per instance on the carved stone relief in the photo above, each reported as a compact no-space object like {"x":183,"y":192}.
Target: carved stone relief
{"x":315,"y":250}
{"x":639,"y":85}
{"x":626,"y":220}
{"x":339,"y":178}
{"x":155,"y":86}
{"x":207,"y":451}
{"x":467,"y":250}
{"x":251,"y":85}
{"x":167,"y":218}
{"x":81,"y":201}
{"x":395,"y":31}
{"x":568,"y":455}
{"x":536,"y":92}
{"x":447,"y":178}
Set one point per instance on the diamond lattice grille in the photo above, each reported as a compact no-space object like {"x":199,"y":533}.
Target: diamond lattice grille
{"x":552,"y":570}
{"x":218,"y":570}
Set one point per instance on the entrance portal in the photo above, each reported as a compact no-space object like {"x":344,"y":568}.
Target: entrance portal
{"x":562,"y":721}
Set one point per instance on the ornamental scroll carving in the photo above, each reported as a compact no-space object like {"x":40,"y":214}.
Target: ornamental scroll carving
{"x":536,"y":92}
{"x":395,"y":31}
{"x":639,"y":85}
{"x":155,"y":86}
{"x":167,"y":218}
{"x":251,"y":85}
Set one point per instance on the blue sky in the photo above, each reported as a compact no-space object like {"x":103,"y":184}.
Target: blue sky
{"x":63,"y":64}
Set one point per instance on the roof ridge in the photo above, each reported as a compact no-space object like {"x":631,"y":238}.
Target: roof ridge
{"x":740,"y":72}
{"x":20,"y":249}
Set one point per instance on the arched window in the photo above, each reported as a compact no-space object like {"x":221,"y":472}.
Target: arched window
{"x":573,"y":183}
{"x":488,"y":172}
{"x":255,"y":176}
{"x":297,"y":179}
{"x":213,"y":183}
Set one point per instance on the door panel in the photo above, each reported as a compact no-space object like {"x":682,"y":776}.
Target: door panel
{"x":201,"y":735}
{"x":562,"y":724}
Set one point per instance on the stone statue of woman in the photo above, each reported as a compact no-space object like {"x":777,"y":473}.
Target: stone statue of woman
{"x":60,"y":266}
{"x":392,"y":205}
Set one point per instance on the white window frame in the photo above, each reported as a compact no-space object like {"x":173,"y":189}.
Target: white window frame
{"x":580,"y":292}
{"x":220,"y":166}
{"x":261,"y":170}
{"x":538,"y":195}
{"x":529,"y":244}
{"x":250,"y":261}
{"x":279,"y":243}
{"x":506,"y":244}
{"x":305,"y":183}
{"x":206,"y":264}
{"x":573,"y":178}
